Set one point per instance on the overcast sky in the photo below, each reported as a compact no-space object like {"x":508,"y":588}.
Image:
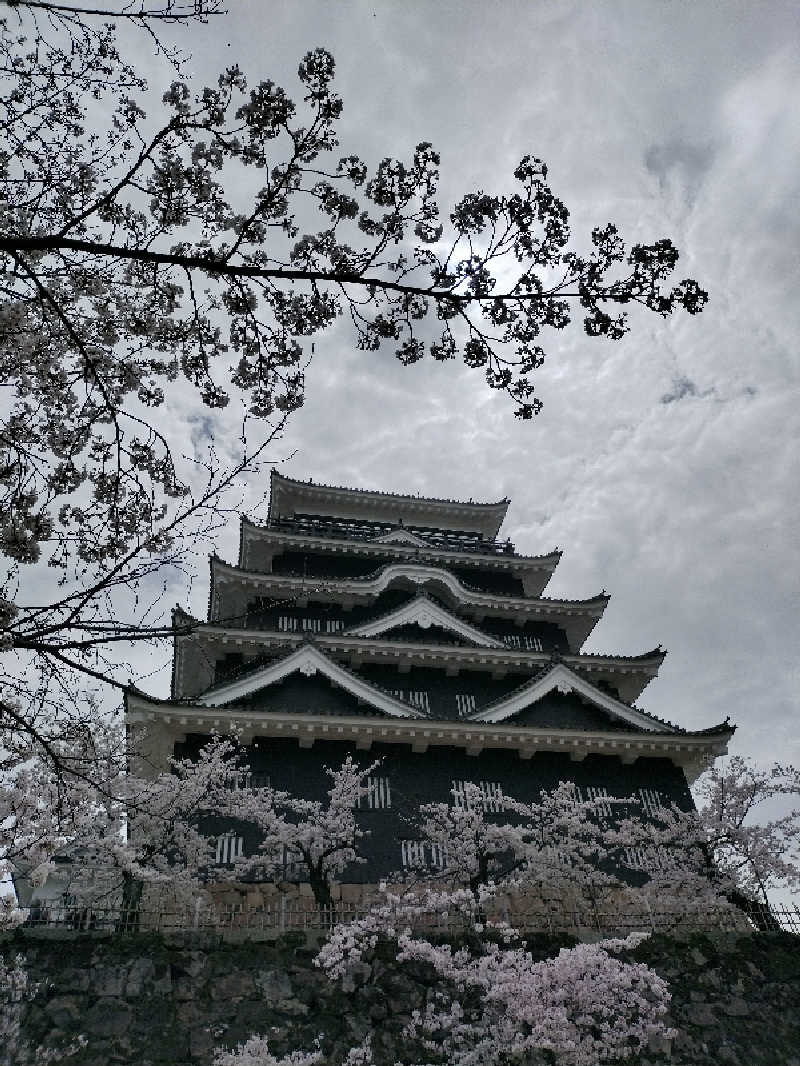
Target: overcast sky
{"x":664,"y":466}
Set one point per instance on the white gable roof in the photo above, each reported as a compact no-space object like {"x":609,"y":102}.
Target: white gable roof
{"x":402,"y":536}
{"x":424,"y":612}
{"x":563,"y":679}
{"x":307,"y":660}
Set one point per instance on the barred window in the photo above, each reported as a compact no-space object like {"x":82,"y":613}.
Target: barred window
{"x":652,"y":803}
{"x":230,"y":847}
{"x":527,"y":642}
{"x":416,"y":697}
{"x":422,"y":854}
{"x":465,"y":703}
{"x":492,"y":799}
{"x":601,"y":797}
{"x":645,"y":859}
{"x":378,"y":795}
{"x":241,"y":779}
{"x":576,"y":795}
{"x":288,"y":623}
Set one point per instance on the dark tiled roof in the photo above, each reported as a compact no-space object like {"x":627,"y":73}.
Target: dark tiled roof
{"x":471,"y":552}
{"x":394,"y":495}
{"x":602,"y":597}
{"x":430,"y":599}
{"x":545,"y":670}
{"x":253,"y":667}
{"x":656,"y":653}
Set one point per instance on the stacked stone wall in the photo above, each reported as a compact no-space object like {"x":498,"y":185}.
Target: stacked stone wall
{"x":145,"y":1001}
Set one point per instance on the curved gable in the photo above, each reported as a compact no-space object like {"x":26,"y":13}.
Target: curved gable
{"x":424,"y":612}
{"x":402,"y":536}
{"x":561,"y":679}
{"x":307,"y":660}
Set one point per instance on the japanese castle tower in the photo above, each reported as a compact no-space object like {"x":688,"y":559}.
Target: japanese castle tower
{"x":381,"y":625}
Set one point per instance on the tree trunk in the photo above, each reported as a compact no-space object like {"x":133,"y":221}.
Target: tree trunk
{"x":323,"y":898}
{"x":131,"y":901}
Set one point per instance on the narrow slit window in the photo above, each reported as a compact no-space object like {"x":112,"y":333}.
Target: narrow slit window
{"x":491,"y":798}
{"x":465,"y":703}
{"x":422,"y":855}
{"x":416,"y":697}
{"x":652,"y":803}
{"x":378,"y":795}
{"x":601,"y":797}
{"x":230,"y":847}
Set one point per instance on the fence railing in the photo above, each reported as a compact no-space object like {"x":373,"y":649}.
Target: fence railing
{"x":288,"y":915}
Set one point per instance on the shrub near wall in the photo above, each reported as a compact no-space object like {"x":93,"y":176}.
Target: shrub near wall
{"x":145,"y":1002}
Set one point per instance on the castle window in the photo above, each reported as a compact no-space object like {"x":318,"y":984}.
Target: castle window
{"x":378,"y":795}
{"x":529,"y":643}
{"x":422,"y":855}
{"x":334,"y":625}
{"x":651,"y":801}
{"x":492,"y":799}
{"x":241,"y":779}
{"x":576,"y":796}
{"x":416,"y":697}
{"x":230,"y":847}
{"x":465,"y":703}
{"x":287,"y":624}
{"x":645,"y":859}
{"x":601,"y":798}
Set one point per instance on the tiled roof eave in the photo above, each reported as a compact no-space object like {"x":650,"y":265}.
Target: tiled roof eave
{"x":594,"y":606}
{"x":380,"y":493}
{"x":562,"y":677}
{"x":287,"y":496}
{"x":639,"y":664}
{"x":308,"y":658}
{"x":421,"y":734}
{"x":497,"y":560}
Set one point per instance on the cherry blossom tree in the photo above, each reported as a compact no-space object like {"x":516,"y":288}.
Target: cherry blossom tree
{"x":129,"y":275}
{"x":494,"y":1002}
{"x":558,"y":842}
{"x":489,"y":1001}
{"x":255,"y":1052}
{"x":302,"y":839}
{"x":729,"y":849}
{"x":120,"y":831}
{"x":116,"y":831}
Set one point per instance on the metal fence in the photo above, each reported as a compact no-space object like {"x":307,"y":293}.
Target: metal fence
{"x":287,"y":915}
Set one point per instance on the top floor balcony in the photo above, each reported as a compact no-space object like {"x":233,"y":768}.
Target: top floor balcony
{"x":358,"y":529}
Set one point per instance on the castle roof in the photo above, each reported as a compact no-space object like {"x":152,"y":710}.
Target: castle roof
{"x":578,"y":617}
{"x":630,"y":733}
{"x":289,"y":497}
{"x":424,"y":612}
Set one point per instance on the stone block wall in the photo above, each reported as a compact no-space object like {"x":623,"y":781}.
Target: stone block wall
{"x":141,"y":1001}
